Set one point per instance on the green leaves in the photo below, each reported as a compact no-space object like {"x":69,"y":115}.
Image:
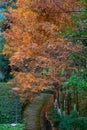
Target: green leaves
{"x":55,"y":117}
{"x":67,"y":31}
{"x":10,"y":127}
{"x":76,"y":82}
{"x":7,"y":105}
{"x":2,"y":42}
{"x":4,"y":68}
{"x":83,"y":0}
{"x":72,"y":82}
{"x":70,"y":123}
{"x":62,"y":73}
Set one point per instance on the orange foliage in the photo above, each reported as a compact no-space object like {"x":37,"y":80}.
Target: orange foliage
{"x":36,"y":44}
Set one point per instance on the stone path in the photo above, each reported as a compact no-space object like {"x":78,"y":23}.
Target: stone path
{"x":31,"y":112}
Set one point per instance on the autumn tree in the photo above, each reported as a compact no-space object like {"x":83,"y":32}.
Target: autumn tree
{"x":38,"y":56}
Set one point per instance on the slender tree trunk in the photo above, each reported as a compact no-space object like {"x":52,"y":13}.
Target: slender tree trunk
{"x":69,"y":103}
{"x":75,"y":107}
{"x":54,"y":95}
{"x":77,"y":104}
{"x":58,"y":98}
{"x":63,"y":101}
{"x":58,"y":101}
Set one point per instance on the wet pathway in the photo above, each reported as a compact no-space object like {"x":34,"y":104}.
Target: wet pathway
{"x":31,"y":111}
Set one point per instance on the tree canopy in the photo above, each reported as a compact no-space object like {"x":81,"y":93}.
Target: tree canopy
{"x":38,"y":55}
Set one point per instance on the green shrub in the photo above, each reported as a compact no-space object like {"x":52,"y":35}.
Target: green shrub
{"x":5,"y":69}
{"x":2,"y":42}
{"x":7,"y":105}
{"x":68,"y":122}
{"x":55,"y":117}
{"x":83,"y":107}
{"x":73,"y":122}
{"x":10,"y":127}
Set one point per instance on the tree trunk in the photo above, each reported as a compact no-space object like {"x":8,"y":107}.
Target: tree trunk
{"x":77,"y":104}
{"x":69,"y":103}
{"x":58,"y":98}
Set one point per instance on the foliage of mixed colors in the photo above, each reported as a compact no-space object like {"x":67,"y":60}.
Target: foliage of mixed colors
{"x":46,"y":43}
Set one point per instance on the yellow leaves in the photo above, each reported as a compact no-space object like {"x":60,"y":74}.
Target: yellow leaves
{"x":17,"y":58}
{"x":27,"y":13}
{"x":29,"y":54}
{"x":23,"y":3}
{"x":27,"y":81}
{"x":39,"y":88}
{"x":23,"y":80}
{"x":26,"y":38}
{"x":17,"y":31}
{"x":8,"y":50}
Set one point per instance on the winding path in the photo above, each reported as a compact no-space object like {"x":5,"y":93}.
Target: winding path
{"x":31,"y":111}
